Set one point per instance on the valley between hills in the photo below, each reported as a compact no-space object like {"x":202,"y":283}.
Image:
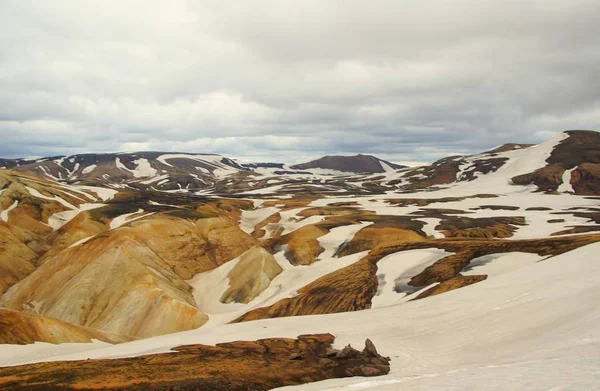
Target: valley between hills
{"x":183,"y":271}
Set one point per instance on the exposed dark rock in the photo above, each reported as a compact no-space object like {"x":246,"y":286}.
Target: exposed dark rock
{"x":496,"y":207}
{"x":427,"y":201}
{"x":370,"y":348}
{"x":234,"y":366}
{"x":585,"y":179}
{"x":582,"y":146}
{"x":347,"y":352}
{"x":481,"y":166}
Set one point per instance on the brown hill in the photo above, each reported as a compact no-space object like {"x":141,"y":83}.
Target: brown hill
{"x":359,"y":164}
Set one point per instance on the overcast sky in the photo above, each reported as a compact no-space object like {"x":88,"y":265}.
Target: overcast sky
{"x":410,"y":81}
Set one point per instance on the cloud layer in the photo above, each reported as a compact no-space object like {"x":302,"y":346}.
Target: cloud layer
{"x":410,"y":81}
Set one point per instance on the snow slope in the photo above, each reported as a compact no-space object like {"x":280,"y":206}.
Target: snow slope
{"x":533,"y":328}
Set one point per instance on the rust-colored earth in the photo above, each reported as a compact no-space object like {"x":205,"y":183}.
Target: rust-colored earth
{"x":242,"y":365}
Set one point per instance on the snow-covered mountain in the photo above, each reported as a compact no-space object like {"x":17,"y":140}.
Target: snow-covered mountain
{"x":567,"y":163}
{"x":167,"y":171}
{"x":472,"y":272}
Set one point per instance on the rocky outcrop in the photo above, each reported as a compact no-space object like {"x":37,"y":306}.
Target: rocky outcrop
{"x":585,"y":179}
{"x":250,"y":276}
{"x":22,"y":328}
{"x":235,"y":366}
{"x":581,"y":146}
{"x":546,"y":178}
{"x":348,"y":289}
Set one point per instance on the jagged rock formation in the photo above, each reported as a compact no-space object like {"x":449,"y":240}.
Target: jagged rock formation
{"x":244,"y":365}
{"x":17,"y":327}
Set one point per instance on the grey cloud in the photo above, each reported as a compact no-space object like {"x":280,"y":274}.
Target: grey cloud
{"x":264,"y":80}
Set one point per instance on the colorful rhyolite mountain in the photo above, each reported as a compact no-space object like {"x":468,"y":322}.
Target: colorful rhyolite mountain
{"x":459,"y":271}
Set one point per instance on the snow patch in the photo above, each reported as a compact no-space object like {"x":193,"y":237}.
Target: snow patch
{"x":59,"y":219}
{"x":143,"y":168}
{"x":104,"y":193}
{"x":127,"y":218}
{"x":565,"y":186}
{"x":89,"y":169}
{"x":4,"y":213}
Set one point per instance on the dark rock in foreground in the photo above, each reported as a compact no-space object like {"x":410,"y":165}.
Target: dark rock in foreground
{"x":241,"y":365}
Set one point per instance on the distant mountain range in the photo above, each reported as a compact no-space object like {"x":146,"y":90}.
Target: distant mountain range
{"x":575,"y":158}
